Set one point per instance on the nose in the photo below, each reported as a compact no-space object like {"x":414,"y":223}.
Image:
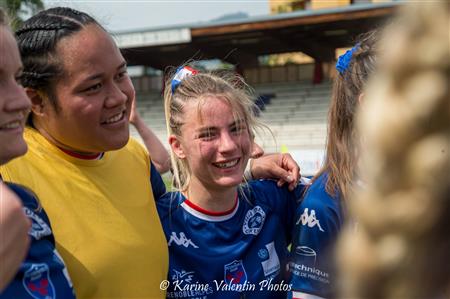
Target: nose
{"x":15,"y":98}
{"x":227,"y":143}
{"x":115,"y":97}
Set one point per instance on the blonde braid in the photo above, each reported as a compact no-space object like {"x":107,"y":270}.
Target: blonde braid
{"x":401,"y":248}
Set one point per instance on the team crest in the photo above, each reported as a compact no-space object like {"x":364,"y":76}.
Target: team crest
{"x":38,"y":228}
{"x":254,"y":220}
{"x":235,"y":273}
{"x":37,"y":282}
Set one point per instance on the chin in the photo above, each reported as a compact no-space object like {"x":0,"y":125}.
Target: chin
{"x":117,"y":143}
{"x":229,"y":181}
{"x":13,"y":151}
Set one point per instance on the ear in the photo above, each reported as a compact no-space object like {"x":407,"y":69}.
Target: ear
{"x":257,"y":151}
{"x":361,"y":98}
{"x":37,"y":101}
{"x":176,"y":147}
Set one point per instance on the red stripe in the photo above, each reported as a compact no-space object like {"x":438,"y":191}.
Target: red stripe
{"x":80,"y":156}
{"x":210,"y":213}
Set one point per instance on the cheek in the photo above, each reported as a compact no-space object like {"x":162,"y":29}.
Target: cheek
{"x":128,"y":89}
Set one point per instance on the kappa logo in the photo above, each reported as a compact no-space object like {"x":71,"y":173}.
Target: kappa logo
{"x":181,"y":241}
{"x":38,"y":228}
{"x":254,"y":220}
{"x":37,"y":283}
{"x":309,"y":219}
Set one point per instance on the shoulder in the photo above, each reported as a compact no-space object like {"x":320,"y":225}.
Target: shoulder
{"x":269,"y":189}
{"x":318,"y":204}
{"x":27,"y":196}
{"x":317,"y":197}
{"x":169,"y":202}
{"x":136,"y":147}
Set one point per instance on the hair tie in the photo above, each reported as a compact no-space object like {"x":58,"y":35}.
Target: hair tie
{"x":181,"y":73}
{"x":345,"y":59}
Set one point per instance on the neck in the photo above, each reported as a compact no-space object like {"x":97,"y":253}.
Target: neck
{"x":211,"y":199}
{"x":65,"y":148}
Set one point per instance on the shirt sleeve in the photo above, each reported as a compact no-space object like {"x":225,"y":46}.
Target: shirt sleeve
{"x":158,"y":186}
{"x":317,"y":224}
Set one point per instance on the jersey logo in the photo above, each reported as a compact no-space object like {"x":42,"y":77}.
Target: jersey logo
{"x":36,"y":281}
{"x":183,"y":275}
{"x":309,"y":219}
{"x":181,"y":241}
{"x":308,"y":254}
{"x":272,"y":264}
{"x":38,"y":228}
{"x":235,"y":273}
{"x":254,"y":220}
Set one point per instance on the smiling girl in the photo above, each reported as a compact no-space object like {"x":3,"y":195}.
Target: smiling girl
{"x":225,"y":240}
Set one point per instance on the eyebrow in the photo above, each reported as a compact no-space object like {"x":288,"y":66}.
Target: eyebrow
{"x":233,"y":124}
{"x":99,"y":75}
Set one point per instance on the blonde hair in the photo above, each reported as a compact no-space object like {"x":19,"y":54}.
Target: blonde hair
{"x":401,"y":246}
{"x":225,"y":85}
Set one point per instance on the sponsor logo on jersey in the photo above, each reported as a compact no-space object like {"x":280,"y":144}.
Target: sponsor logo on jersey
{"x":272,"y":264}
{"x":308,"y":255}
{"x":182,"y":240}
{"x":183,"y":275}
{"x":37,"y":282}
{"x":38,"y":228}
{"x":254,"y":221}
{"x":184,"y":285}
{"x":309,"y":219}
{"x":235,"y":273}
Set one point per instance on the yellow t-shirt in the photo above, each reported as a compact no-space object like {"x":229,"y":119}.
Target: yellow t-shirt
{"x":103,"y":216}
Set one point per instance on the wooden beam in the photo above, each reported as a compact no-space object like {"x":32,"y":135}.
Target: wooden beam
{"x":304,"y":20}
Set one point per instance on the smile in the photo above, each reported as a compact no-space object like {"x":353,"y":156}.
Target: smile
{"x":11,"y":125}
{"x":228,"y":164}
{"x":115,"y":118}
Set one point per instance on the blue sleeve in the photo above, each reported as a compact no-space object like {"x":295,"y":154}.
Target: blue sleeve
{"x":42,"y":273}
{"x":157,"y":182}
{"x":318,"y":221}
{"x":282,"y":201}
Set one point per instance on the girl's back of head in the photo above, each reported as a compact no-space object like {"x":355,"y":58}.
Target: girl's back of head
{"x":354,"y":68}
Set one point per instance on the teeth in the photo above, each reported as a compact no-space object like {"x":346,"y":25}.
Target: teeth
{"x":11,"y":125}
{"x":114,"y":118}
{"x":227,"y":164}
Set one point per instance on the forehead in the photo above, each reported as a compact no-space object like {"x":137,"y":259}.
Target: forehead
{"x":212,"y":110}
{"x":89,"y":50}
{"x":9,"y":53}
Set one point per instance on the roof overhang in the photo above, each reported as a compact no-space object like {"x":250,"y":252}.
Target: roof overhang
{"x":316,"y":33}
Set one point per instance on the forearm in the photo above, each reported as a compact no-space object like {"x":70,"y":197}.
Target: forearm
{"x":158,"y":153}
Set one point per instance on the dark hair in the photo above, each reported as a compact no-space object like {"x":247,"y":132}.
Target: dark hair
{"x":37,"y":39}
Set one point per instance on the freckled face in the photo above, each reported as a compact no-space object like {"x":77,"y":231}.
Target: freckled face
{"x":14,"y":104}
{"x":215,"y":144}
{"x":94,"y":94}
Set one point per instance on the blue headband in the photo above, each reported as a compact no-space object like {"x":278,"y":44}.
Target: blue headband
{"x":181,"y":73}
{"x":345,"y":59}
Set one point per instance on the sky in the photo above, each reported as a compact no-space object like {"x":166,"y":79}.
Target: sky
{"x":121,"y":15}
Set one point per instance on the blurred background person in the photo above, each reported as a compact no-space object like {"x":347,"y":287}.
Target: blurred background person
{"x":401,"y":247}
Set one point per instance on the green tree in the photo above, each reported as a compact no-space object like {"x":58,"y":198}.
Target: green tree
{"x":18,"y":9}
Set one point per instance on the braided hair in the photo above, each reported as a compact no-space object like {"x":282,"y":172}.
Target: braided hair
{"x":37,"y":39}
